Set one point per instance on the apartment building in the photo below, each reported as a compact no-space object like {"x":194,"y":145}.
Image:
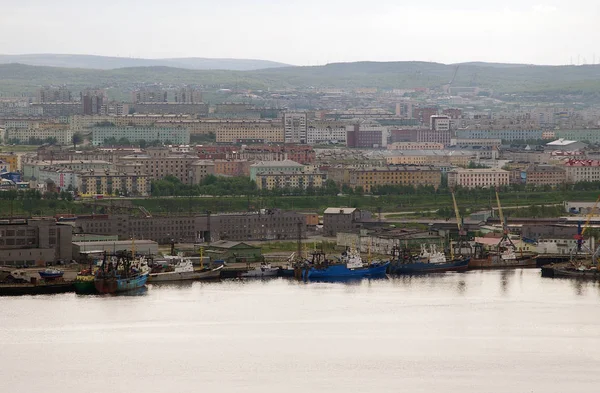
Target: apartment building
{"x":290,"y":180}
{"x":581,"y":170}
{"x":395,"y":175}
{"x":158,"y":162}
{"x":430,"y":157}
{"x":326,"y":131}
{"x":480,"y":177}
{"x":439,"y":123}
{"x":180,"y":136}
{"x":30,"y":242}
{"x":32,"y":169}
{"x":174,"y":108}
{"x":265,"y":224}
{"x":58,"y":109}
{"x":188,"y":95}
{"x":111,"y":182}
{"x":544,"y":175}
{"x":366,"y":136}
{"x":231,"y":131}
{"x":298,"y":153}
{"x":62,"y":178}
{"x":503,"y":134}
{"x":415,"y":146}
{"x":61,"y":133}
{"x":420,"y":136}
{"x":295,"y":127}
{"x":286,"y":166}
{"x":232,"y":167}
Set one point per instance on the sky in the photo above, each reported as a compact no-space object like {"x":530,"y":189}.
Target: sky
{"x":309,"y":32}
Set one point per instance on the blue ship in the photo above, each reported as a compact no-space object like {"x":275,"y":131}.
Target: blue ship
{"x":121,"y":276}
{"x":340,"y":271}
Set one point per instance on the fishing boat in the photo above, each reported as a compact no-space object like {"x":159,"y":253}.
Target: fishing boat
{"x":15,"y":283}
{"x":430,"y":260}
{"x":51,"y":274}
{"x":350,"y":265}
{"x":264,"y":270}
{"x":84,"y":284}
{"x":121,"y":273}
{"x":181,"y":269}
{"x":505,"y":254}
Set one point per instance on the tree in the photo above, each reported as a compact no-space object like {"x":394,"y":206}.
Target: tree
{"x":76,"y":139}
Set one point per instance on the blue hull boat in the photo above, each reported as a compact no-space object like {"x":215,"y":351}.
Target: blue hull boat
{"x":456,"y":265}
{"x":341,"y":271}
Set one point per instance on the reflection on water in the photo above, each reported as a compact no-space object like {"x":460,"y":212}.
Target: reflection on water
{"x":480,"y":331}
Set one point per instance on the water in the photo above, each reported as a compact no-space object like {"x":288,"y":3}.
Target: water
{"x":497,"y":331}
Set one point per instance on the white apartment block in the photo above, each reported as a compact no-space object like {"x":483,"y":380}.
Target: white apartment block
{"x":63,"y":137}
{"x":480,"y":177}
{"x":295,"y":127}
{"x":440,"y":123}
{"x":326,"y":133}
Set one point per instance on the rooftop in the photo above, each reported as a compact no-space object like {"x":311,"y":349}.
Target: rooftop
{"x":560,"y":142}
{"x":339,"y":210}
{"x":275,"y":164}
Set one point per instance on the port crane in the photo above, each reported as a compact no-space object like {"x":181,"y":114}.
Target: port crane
{"x":462,"y":242}
{"x":580,"y":237}
{"x":505,"y":241}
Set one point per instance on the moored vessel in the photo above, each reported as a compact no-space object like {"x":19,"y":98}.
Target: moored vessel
{"x":350,"y":265}
{"x":264,"y":270}
{"x":181,"y":269}
{"x":121,"y":273}
{"x":430,"y":260}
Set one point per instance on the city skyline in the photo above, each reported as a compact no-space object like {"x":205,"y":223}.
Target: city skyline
{"x":525,"y":32}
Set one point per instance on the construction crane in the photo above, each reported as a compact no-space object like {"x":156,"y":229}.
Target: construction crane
{"x":462,"y":233}
{"x":505,"y":232}
{"x":581,"y":231}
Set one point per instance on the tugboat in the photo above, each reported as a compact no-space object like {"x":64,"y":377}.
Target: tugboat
{"x":121,"y":273}
{"x":350,"y":265}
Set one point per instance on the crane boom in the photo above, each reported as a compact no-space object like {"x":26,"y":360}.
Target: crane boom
{"x":589,"y":217}
{"x":502,"y":222}
{"x":458,"y":220}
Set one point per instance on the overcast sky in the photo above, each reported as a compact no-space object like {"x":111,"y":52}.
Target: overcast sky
{"x":308,"y":32}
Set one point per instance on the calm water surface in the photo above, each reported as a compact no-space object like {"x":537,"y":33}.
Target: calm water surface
{"x":496,"y":331}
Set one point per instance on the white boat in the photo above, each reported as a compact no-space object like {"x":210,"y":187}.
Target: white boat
{"x":264,"y":270}
{"x":182,"y":269}
{"x":352,"y":259}
{"x":431,"y":255}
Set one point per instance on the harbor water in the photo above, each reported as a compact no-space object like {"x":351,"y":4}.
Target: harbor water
{"x":482,"y":331}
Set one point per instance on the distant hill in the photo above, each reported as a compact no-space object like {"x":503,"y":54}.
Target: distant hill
{"x":532,"y":79}
{"x":109,"y":63}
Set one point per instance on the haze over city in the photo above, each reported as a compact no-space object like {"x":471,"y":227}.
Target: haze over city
{"x":309,"y":32}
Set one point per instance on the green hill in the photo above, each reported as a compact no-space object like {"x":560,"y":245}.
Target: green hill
{"x":386,"y":75}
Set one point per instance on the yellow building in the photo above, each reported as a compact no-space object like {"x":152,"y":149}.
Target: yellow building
{"x":113,"y":183}
{"x":231,"y":130}
{"x":399,"y":175}
{"x":430,"y":157}
{"x":12,"y":159}
{"x":277,"y":180}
